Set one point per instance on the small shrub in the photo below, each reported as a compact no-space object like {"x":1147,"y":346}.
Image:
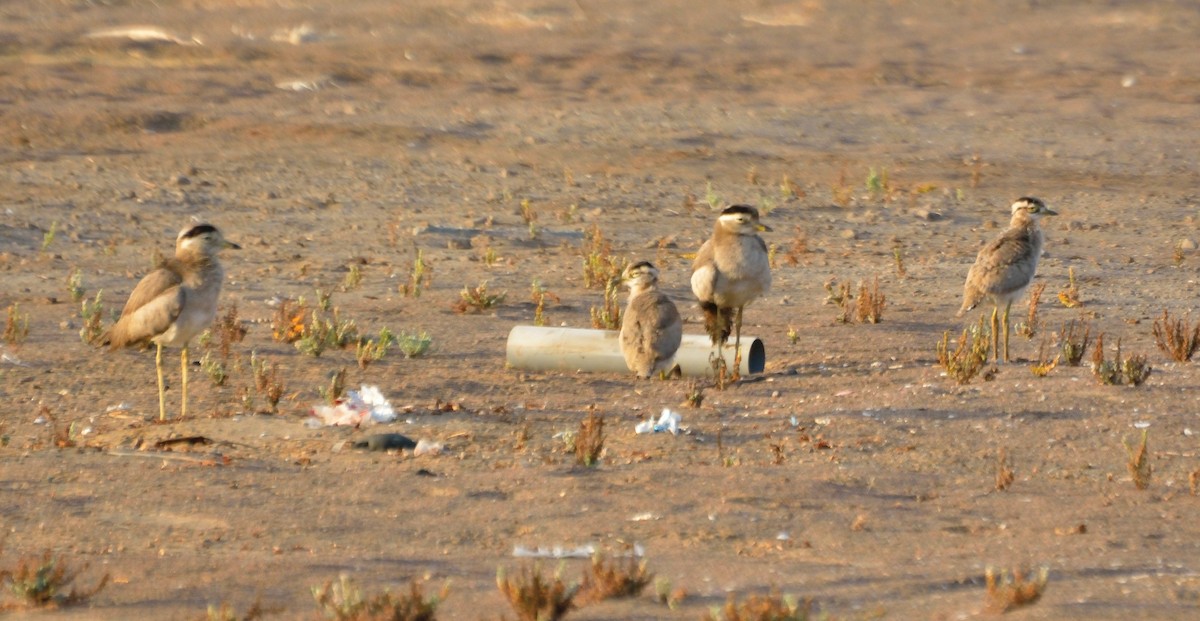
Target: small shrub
{"x":589,"y":441}
{"x":538,"y":294}
{"x":48,"y":236}
{"x":477,"y":300}
{"x":266,"y":380}
{"x":533,"y":597}
{"x":1044,"y":365}
{"x":41,"y":581}
{"x":1004,"y":472}
{"x":353,"y":278}
{"x":337,"y":386}
{"x":1132,"y":370}
{"x":90,"y":311}
{"x":1029,"y":328}
{"x":608,"y":317}
{"x":225,"y":612}
{"x":1011,"y":591}
{"x":372,"y":350}
{"x":214,"y":368}
{"x":838,"y":294}
{"x":413,"y":344}
{"x":1138,"y":462}
{"x":1069,"y":296}
{"x":771,"y":607}
{"x":1175,"y":338}
{"x":322,"y":333}
{"x":344,"y":601}
{"x":898,"y":260}
{"x":16,"y":325}
{"x":75,"y":286}
{"x":871,"y":301}
{"x":419,"y":277}
{"x":665,"y":595}
{"x":600,"y":267}
{"x":969,"y":356}
{"x":287,"y":326}
{"x":604,"y":579}
{"x":1073,"y":345}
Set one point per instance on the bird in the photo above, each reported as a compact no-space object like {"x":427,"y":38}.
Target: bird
{"x":1005,"y":266}
{"x":731,"y":270}
{"x":651,"y":327}
{"x":175,"y":302}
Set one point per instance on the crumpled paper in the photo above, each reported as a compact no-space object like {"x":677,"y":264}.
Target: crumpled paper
{"x":359,"y":407}
{"x":667,"y":422}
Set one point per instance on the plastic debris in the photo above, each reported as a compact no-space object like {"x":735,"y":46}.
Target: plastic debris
{"x":142,"y":34}
{"x":120,"y":407}
{"x":584,"y":551}
{"x":668,"y":421}
{"x":361,"y":407}
{"x":428,"y":447}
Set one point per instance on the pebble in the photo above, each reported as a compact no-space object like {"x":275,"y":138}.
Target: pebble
{"x":385,"y":442}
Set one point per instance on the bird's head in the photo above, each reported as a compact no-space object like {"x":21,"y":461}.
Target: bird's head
{"x":1033,"y":208}
{"x":204,"y":239}
{"x":741,"y":220}
{"x":640,"y":276}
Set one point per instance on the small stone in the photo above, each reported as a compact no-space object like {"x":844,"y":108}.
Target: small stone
{"x":385,"y":442}
{"x":848,"y":234}
{"x":1187,"y":244}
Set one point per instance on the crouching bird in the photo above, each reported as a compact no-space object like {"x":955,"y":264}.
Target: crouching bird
{"x":651,"y":327}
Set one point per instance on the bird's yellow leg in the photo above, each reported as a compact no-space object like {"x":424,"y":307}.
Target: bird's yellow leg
{"x":1006,"y":310}
{"x":183,"y":369}
{"x":737,"y":345}
{"x":995,"y":334}
{"x":162,"y":391}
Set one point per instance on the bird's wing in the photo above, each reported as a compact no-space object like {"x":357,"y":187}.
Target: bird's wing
{"x":1005,"y":264}
{"x":149,"y":287}
{"x":704,"y":273}
{"x":669,"y":327}
{"x":153,"y":305}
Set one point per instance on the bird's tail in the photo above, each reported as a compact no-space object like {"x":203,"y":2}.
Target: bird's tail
{"x":718,"y":325}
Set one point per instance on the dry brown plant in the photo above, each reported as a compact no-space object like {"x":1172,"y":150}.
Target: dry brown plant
{"x":1011,"y":591}
{"x":1175,"y":338}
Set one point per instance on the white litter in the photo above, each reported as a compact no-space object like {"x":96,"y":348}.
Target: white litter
{"x":120,"y":407}
{"x":142,"y":34}
{"x":668,"y":422}
{"x":428,"y":447}
{"x":584,"y":551}
{"x":362,"y":407}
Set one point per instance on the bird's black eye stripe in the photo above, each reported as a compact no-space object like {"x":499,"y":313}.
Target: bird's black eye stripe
{"x":199,"y":229}
{"x":640,"y":264}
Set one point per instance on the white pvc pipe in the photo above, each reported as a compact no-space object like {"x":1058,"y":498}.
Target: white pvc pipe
{"x":537,"y":348}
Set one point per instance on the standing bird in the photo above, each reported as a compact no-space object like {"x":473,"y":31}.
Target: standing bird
{"x":175,"y":302}
{"x":1005,"y":266}
{"x":730,"y":271}
{"x":651,"y":328}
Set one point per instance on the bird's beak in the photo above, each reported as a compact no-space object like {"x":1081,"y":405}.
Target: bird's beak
{"x":763,"y":227}
{"x":231,"y":245}
{"x":1049,"y":212}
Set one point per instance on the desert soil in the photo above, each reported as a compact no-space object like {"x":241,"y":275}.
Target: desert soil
{"x":331,"y":136}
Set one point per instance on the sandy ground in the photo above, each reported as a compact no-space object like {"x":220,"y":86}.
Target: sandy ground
{"x":331,"y":137}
